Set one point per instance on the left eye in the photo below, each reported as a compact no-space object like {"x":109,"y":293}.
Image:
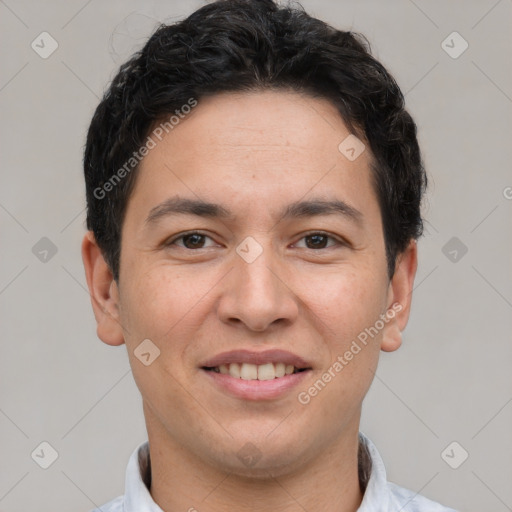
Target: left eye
{"x":318,"y":241}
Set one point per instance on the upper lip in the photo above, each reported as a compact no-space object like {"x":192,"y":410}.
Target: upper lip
{"x":253,"y":357}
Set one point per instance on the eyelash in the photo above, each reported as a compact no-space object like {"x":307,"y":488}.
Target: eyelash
{"x":338,"y":241}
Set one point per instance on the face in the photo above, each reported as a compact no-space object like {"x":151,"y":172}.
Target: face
{"x":252,"y":247}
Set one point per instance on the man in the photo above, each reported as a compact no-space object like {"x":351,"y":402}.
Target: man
{"x":254,"y":188}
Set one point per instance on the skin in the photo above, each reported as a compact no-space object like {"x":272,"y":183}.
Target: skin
{"x":254,"y":154}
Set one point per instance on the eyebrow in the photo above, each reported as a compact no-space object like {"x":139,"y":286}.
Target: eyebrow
{"x":200,"y":208}
{"x":315,"y":207}
{"x":177,"y":205}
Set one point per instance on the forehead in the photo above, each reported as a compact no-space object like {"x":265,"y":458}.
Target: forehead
{"x":264,"y":121}
{"x":270,"y":146}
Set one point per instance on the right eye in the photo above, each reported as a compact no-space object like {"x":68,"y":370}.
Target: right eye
{"x":191,"y":240}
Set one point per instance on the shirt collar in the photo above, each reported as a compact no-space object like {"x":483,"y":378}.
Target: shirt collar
{"x":138,"y":480}
{"x":376,"y":495}
{"x":372,"y":477}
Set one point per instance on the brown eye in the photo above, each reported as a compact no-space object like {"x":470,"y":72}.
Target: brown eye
{"x":316,"y":241}
{"x":193,"y":241}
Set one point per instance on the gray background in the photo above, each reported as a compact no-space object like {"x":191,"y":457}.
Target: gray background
{"x":450,"y":381}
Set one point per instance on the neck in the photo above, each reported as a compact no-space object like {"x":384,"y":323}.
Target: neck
{"x":183,"y":482}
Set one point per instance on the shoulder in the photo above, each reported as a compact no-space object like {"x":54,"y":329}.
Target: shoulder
{"x":115,"y":505}
{"x":409,"y":501}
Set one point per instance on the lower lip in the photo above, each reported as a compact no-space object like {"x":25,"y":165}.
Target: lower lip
{"x":256,"y":389}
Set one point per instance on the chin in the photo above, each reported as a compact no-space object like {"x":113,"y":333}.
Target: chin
{"x":257,"y":457}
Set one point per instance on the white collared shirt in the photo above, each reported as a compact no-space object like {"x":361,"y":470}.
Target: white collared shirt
{"x":379,"y":496}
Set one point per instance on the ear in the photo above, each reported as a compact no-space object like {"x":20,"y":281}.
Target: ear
{"x":103,"y":291}
{"x":399,"y":298}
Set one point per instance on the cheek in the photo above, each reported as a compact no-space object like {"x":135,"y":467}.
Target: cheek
{"x":348,"y":305}
{"x":346,"y":301}
{"x":152,"y":302}
{"x":153,"y":306}
{"x":352,"y":304}
{"x":167,"y":305}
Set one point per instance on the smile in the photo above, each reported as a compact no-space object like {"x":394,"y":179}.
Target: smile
{"x":256,"y":375}
{"x":249,"y":371}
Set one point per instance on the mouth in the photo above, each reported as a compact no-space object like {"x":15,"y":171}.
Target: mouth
{"x":249,"y":371}
{"x":256,"y":375}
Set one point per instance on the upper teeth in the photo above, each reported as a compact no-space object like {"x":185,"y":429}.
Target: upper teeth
{"x":248,"y":371}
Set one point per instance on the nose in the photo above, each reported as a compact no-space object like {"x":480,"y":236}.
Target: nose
{"x":257,"y":294}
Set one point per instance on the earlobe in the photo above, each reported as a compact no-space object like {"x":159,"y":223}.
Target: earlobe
{"x":392,"y":337}
{"x":399,"y":298}
{"x":103,"y":291}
